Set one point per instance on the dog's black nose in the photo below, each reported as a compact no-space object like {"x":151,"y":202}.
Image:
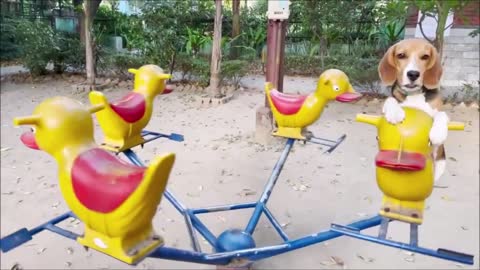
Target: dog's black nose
{"x":413,"y":75}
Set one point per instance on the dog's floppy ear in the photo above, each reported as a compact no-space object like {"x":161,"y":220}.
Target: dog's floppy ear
{"x":434,"y":71}
{"x":386,"y":68}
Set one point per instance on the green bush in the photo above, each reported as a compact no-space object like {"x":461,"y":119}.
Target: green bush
{"x":201,"y":71}
{"x":233,"y":71}
{"x":68,"y":52}
{"x":41,"y":45}
{"x":37,"y":42}
{"x":9,"y":48}
{"x":121,"y":62}
{"x":359,"y":70}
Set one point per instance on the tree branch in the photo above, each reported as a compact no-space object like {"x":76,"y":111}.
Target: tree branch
{"x":421,"y":28}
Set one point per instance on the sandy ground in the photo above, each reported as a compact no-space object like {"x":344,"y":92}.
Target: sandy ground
{"x":219,"y":163}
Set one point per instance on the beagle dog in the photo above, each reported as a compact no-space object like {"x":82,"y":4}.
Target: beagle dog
{"x":412,"y":67}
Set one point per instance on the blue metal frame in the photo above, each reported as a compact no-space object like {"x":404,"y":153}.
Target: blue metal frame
{"x":194,"y":224}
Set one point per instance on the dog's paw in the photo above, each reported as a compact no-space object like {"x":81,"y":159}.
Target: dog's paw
{"x":438,"y":133}
{"x":393,"y":112}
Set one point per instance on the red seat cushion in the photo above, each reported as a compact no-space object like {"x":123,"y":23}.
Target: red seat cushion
{"x":407,"y":162}
{"x":102,"y":182}
{"x":287,"y":103}
{"x":131,"y":107}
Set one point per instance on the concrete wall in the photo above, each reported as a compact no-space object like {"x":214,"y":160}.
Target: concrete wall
{"x":461,"y":61}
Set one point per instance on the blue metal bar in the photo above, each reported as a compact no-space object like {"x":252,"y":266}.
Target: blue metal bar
{"x":441,"y":253}
{"x":220,"y":208}
{"x":192,"y":233}
{"x":252,"y":223}
{"x":202,"y":229}
{"x":258,"y":253}
{"x":135,"y":160}
{"x":413,"y":234}
{"x":275,"y":223}
{"x":53,"y":221}
{"x":62,"y":232}
{"x":186,"y":256}
{"x":156,"y":135}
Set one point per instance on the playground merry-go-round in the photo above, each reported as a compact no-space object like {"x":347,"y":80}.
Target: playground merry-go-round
{"x":115,"y":195}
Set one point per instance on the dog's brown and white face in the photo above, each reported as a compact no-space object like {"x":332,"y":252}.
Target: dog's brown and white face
{"x":412,"y":63}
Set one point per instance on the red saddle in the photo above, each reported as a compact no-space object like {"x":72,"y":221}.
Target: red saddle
{"x":407,"y":162}
{"x":287,"y":103}
{"x":102,"y":182}
{"x":131,"y":107}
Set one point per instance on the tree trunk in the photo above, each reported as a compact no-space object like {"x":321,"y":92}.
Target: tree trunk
{"x":90,"y":8}
{"x":235,"y":27}
{"x":216,"y":52}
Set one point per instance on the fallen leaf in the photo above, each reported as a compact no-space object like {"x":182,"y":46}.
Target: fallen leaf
{"x":170,"y":220}
{"x":409,"y":259}
{"x":452,"y":158}
{"x":5,"y":149}
{"x":361,"y":214}
{"x":367,"y":198}
{"x":7,"y":193}
{"x":68,"y":264}
{"x":459,"y":265}
{"x":16,"y":266}
{"x":337,"y":260}
{"x":41,"y":250}
{"x":222,"y":219}
{"x":28,"y":192}
{"x":200,"y":188}
{"x":303,"y":188}
{"x":465,"y":228}
{"x":445,"y":198}
{"x":439,"y":186}
{"x":284,"y":225}
{"x":70,"y":250}
{"x":247,"y":192}
{"x":365,"y":259}
{"x":295,"y":188}
{"x":55,"y":205}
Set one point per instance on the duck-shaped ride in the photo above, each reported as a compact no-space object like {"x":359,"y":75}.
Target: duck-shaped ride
{"x":293,"y":113}
{"x":114,"y":199}
{"x":404,"y":163}
{"x":122,"y":121}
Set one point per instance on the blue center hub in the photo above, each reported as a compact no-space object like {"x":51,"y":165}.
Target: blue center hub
{"x":234,"y":239}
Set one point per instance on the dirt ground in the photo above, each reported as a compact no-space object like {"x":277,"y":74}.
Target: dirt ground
{"x":219,"y":163}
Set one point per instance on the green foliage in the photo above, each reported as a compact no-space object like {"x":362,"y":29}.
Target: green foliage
{"x":9,"y":47}
{"x":387,"y":34}
{"x":114,"y":23}
{"x":37,"y":41}
{"x":196,"y":40}
{"x":233,"y":70}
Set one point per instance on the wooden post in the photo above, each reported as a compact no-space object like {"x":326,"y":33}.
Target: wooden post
{"x":276,"y":31}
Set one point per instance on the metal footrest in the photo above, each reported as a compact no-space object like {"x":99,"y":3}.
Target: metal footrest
{"x":149,"y":136}
{"x":326,"y":142}
{"x":440,"y":253}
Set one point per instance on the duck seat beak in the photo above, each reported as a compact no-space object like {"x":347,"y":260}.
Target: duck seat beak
{"x":400,"y":161}
{"x":168,"y":89}
{"x":348,"y":97}
{"x":28,"y":139}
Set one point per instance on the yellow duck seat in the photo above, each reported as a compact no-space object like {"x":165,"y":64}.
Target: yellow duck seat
{"x":404,"y":163}
{"x":115,"y":200}
{"x":122,"y":121}
{"x":293,"y":113}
